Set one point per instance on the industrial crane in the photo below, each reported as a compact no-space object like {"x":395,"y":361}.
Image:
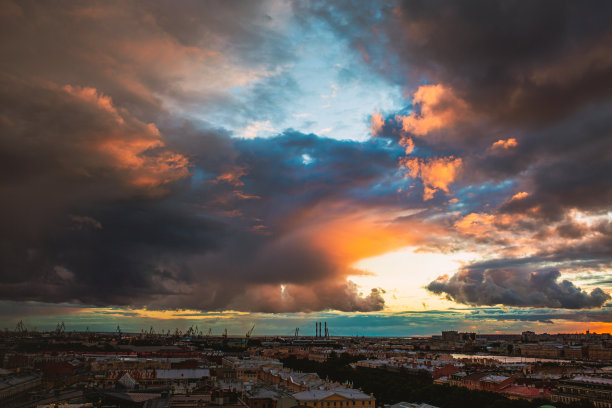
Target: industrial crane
{"x":21,"y":328}
{"x":248,"y":336}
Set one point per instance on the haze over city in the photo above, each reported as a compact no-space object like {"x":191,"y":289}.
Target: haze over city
{"x":390,"y":168}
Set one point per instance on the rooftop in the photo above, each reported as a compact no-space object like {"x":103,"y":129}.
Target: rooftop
{"x":317,"y":395}
{"x":593,"y":380}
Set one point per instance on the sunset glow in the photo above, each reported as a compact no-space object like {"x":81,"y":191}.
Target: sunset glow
{"x":414,"y":166}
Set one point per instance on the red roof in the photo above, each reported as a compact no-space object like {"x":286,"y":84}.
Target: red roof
{"x":530,"y":392}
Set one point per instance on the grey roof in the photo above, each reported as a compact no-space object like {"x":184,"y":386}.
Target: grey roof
{"x":494,"y":378}
{"x":182,"y":373}
{"x":593,"y":380}
{"x":134,"y":396}
{"x":317,"y":395}
{"x":127,"y":381}
{"x":265,"y":394}
{"x":15,"y":381}
{"x":411,"y":405}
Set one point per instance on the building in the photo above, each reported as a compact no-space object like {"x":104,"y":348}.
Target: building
{"x":597,"y":352}
{"x":268,"y":397}
{"x":13,"y":386}
{"x":594,"y":389}
{"x":526,"y":393}
{"x":528,"y":337}
{"x":450,"y":335}
{"x":572,"y":352}
{"x":444,"y":371}
{"x":247,"y":369}
{"x":494,"y":383}
{"x":153,"y":378}
{"x":410,"y":405}
{"x":292,"y":380}
{"x":335,"y":398}
{"x":190,"y":400}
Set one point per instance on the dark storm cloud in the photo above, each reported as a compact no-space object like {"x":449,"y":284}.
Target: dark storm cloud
{"x":529,"y":61}
{"x":112,"y":198}
{"x":82,"y":226}
{"x":529,"y":281}
{"x":338,"y":168}
{"x":101,"y":211}
{"x":519,"y":67}
{"x":516,"y":287}
{"x":603,"y":315}
{"x":535,"y":81}
{"x":147,"y":54}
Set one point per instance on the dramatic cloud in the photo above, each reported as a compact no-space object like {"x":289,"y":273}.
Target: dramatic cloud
{"x":437,"y":106}
{"x":377,"y":122}
{"x":518,"y":287}
{"x":118,"y":194}
{"x":505,"y":144}
{"x":436,"y":174}
{"x":160,"y":156}
{"x":208,"y":245}
{"x":519,"y":61}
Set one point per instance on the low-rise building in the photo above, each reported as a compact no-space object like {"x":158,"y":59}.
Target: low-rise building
{"x":290,"y":379}
{"x":410,"y":405}
{"x":148,"y":378}
{"x":494,"y":383}
{"x":268,"y":397}
{"x":597,"y":390}
{"x":524,"y":392}
{"x":598,"y":352}
{"x":13,"y":386}
{"x":339,"y":397}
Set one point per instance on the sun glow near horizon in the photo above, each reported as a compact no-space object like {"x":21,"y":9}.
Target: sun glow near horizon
{"x":404,"y":273}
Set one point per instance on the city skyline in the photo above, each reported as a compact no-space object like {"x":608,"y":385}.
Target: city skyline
{"x":391,"y":168}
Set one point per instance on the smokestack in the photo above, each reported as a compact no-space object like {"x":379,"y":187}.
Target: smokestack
{"x":316,"y":329}
{"x":325,"y":333}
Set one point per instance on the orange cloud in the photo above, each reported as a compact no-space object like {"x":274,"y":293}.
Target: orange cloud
{"x":438,"y":107}
{"x":484,"y":224}
{"x":475,"y":224}
{"x":150,"y":53}
{"x":519,"y":195}
{"x":91,"y":96}
{"x":505,"y":144}
{"x":347,"y":234}
{"x":436,"y":174}
{"x":244,"y":196}
{"x":377,"y":122}
{"x":134,"y":148}
{"x":233,"y":176}
{"x":407,"y":143}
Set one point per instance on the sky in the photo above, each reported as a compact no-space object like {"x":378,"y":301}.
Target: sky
{"x":393,"y":168}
